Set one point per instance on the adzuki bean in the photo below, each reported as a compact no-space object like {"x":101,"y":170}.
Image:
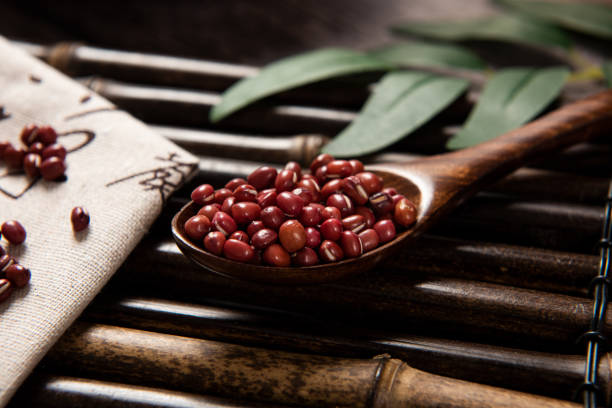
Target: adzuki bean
{"x":285,"y":217}
{"x":13,"y":232}
{"x":79,"y":217}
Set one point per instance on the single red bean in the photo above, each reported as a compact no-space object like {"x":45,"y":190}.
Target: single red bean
{"x":385,"y":230}
{"x":329,"y":251}
{"x":339,"y":169}
{"x":254,"y":227}
{"x":18,"y":275}
{"x":351,"y":186}
{"x":31,"y":165}
{"x":209,"y":210}
{"x":330,"y":212}
{"x":405,"y":213}
{"x":341,"y":202}
{"x":264,"y":238}
{"x":313,"y":237}
{"x":381,"y":203}
{"x":276,"y":255}
{"x":240,"y":236}
{"x":356,"y":165}
{"x":369,"y":239}
{"x":52,"y":168}
{"x":223,"y":194}
{"x":319,"y":161}
{"x":245,"y":212}
{"x":6,"y":288}
{"x":14,"y":157}
{"x":290,"y":203}
{"x":36,"y":148}
{"x":355,"y":223}
{"x":214,"y":241}
{"x":224,"y":223}
{"x":310,"y":216}
{"x":54,"y":150}
{"x":321,"y":174}
{"x":294,"y":167}
{"x":306,"y":257}
{"x":237,"y":250}
{"x":228,"y":203}
{"x":272,"y":217}
{"x":266,"y":198}
{"x":46,"y":135}
{"x":292,"y":235}
{"x":285,"y":180}
{"x":29,"y":134}
{"x":331,"y":229}
{"x":370,"y":182}
{"x":245,"y":192}
{"x":262,"y":177}
{"x":234,"y":183}
{"x":331,"y":187}
{"x":351,"y":244}
{"x":197,"y":227}
{"x":204,"y":194}
{"x":13,"y":232}
{"x":79,"y":218}
{"x":367,"y":214}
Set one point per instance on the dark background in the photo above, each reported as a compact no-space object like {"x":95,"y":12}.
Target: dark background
{"x":253,"y":32}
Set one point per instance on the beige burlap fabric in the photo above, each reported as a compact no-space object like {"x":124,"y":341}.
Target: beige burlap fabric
{"x":117,"y":168}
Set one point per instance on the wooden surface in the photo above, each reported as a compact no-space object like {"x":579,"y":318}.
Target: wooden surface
{"x":496,"y":295}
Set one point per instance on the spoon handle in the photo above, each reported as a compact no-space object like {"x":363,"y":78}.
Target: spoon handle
{"x":455,"y":176}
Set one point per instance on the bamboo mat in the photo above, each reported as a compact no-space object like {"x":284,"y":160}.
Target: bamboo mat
{"x":496,"y":296}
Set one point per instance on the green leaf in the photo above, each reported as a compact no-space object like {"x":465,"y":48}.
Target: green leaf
{"x":400,"y":103}
{"x":510,"y":98}
{"x":420,"y":54}
{"x":589,"y":18}
{"x":606,"y":67}
{"x":292,"y":72}
{"x":510,"y":28}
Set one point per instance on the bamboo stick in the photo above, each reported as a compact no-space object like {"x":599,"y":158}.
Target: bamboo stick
{"x":385,"y":297}
{"x":191,"y":108}
{"x":44,"y":390}
{"x":301,"y":148}
{"x":77,"y":59}
{"x":195,"y":365}
{"x":554,"y":375}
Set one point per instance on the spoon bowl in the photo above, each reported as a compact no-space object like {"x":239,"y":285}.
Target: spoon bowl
{"x":436,"y":185}
{"x":293,"y":275}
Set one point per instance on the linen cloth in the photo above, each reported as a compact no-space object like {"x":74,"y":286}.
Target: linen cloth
{"x":117,"y":168}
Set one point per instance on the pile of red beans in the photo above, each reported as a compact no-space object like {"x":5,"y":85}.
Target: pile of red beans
{"x":41,"y":156}
{"x":292,"y":217}
{"x":12,"y":274}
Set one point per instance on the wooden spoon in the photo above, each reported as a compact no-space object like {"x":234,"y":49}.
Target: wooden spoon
{"x":437,"y":185}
